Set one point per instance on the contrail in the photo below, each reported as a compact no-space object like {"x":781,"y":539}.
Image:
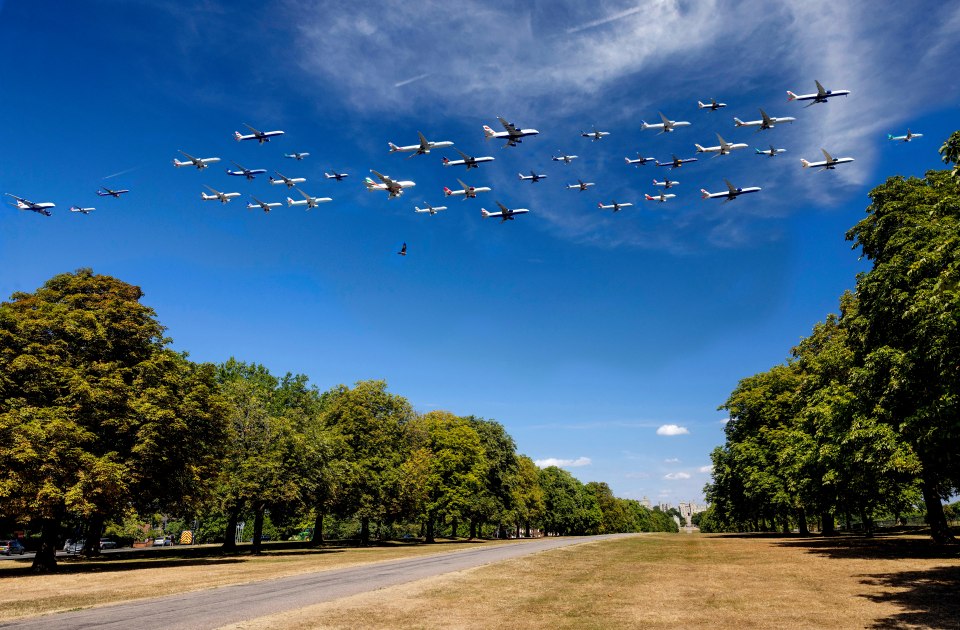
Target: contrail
{"x":122,"y":172}
{"x":606,"y":20}
{"x":409,"y":81}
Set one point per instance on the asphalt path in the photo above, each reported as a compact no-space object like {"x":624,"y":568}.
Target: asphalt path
{"x":213,"y":608}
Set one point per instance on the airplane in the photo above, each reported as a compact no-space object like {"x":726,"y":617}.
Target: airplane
{"x":24,"y":204}
{"x":393,"y":187}
{"x":429,"y":209}
{"x":533,"y":177}
{"x":290,"y":182}
{"x":296,"y":156}
{"x":676,"y":162}
{"x":661,"y":197}
{"x":106,"y":192}
{"x":308,"y":201}
{"x":581,"y":186}
{"x":640,"y":160}
{"x":563,"y":157}
{"x":772,"y":151}
{"x":468,"y":160}
{"x":594,"y":135}
{"x":724,"y":148}
{"x":81,"y":210}
{"x":505,"y":214}
{"x":665,"y":183}
{"x":511,"y":134}
{"x":403,"y":250}
{"x":829,"y":161}
{"x":665,"y":127}
{"x":732,"y":193}
{"x":249,"y":173}
{"x":200,"y":163}
{"x":616,"y":207}
{"x":217,"y":195}
{"x":335,"y":175}
{"x":420,"y":149}
{"x":820,"y":97}
{"x":468,"y":192}
{"x":259,"y":136}
{"x":713,"y":105}
{"x":907,"y":138}
{"x":765,"y":122}
{"x":265,"y":206}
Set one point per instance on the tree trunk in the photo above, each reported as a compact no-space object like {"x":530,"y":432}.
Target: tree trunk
{"x":230,"y":533}
{"x":785,"y":523}
{"x":527,"y":527}
{"x":45,"y":561}
{"x":518,"y":529}
{"x":473,"y":529}
{"x":91,"y":545}
{"x":429,"y":529}
{"x":454,"y":526}
{"x":935,"y":518}
{"x":365,"y":530}
{"x":802,"y":522}
{"x":828,"y":528}
{"x":257,"y":529}
{"x":867,"y":522}
{"x":317,"y":529}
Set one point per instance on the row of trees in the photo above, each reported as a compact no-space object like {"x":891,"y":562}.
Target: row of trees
{"x":100,"y":423}
{"x":863,"y":418}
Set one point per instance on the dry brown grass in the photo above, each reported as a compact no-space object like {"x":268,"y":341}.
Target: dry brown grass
{"x":86,"y":583}
{"x":673,"y":581}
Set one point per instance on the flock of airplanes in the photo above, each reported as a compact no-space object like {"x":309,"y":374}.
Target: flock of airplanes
{"x":512,"y":136}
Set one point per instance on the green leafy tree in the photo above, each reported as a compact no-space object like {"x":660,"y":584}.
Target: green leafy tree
{"x":950,"y":152}
{"x":494,"y":500}
{"x":528,"y":499}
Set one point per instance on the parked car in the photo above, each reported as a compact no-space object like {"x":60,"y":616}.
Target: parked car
{"x":74,"y":546}
{"x":162,"y":541}
{"x":106,"y":543}
{"x":10,"y":547}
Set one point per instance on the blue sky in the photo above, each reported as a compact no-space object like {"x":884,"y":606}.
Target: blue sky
{"x":583,"y":332}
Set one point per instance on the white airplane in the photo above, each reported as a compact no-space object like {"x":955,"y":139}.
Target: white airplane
{"x":667,"y":183}
{"x":217,"y":195}
{"x":532,"y":177}
{"x":664,"y":127}
{"x":594,"y":135}
{"x":25,"y":204}
{"x":308,"y":201}
{"x":424,"y":147}
{"x":640,"y":160}
{"x":772,"y":151}
{"x":765,"y":122}
{"x":468,"y":192}
{"x":468,"y":160}
{"x":296,"y":156}
{"x":829,"y":162}
{"x":563,"y":157}
{"x":661,"y":197}
{"x":264,"y":206}
{"x":106,"y":192}
{"x":432,"y":210}
{"x":907,"y":138}
{"x":259,"y":136}
{"x":676,"y":162}
{"x":581,"y":186}
{"x":393,"y":187}
{"x":615,"y":206}
{"x":505,"y":214}
{"x":820,"y":97}
{"x":732,"y":192}
{"x":200,"y":163}
{"x":81,"y":210}
{"x":289,"y":181}
{"x":335,"y":175}
{"x":249,"y":173}
{"x":511,"y":134}
{"x":724,"y":148}
{"x":713,"y":105}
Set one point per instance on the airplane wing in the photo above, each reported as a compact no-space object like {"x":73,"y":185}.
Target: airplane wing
{"x":827,"y":155}
{"x":424,"y":145}
{"x":503,"y":208}
{"x":506,"y":125}
{"x":463,"y":155}
{"x":820,"y":90}
{"x":732,"y":188}
{"x":766,"y":119}
{"x":255,"y":131}
{"x":465,"y":187}
{"x":188,"y":156}
{"x":666,"y":121}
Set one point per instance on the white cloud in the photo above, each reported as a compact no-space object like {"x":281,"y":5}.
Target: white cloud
{"x":672,"y":460}
{"x":706,"y":469}
{"x":672,"y":429}
{"x":563,"y":463}
{"x":676,"y":475}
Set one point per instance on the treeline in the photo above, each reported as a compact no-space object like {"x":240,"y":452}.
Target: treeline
{"x":102,"y":424}
{"x":863,"y":420}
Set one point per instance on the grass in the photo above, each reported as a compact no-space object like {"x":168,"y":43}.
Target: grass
{"x":650,"y":581}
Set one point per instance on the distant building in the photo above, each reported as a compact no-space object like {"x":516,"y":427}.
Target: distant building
{"x":664,"y":507}
{"x":687,"y":510}
{"x":646,"y":503}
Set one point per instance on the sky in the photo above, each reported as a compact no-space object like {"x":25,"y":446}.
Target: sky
{"x":603,"y":342}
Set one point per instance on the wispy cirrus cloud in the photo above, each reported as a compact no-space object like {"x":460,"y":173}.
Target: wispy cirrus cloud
{"x":674,"y":476}
{"x":563,"y":463}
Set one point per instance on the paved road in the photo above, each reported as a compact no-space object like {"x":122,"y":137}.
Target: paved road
{"x":216,"y":607}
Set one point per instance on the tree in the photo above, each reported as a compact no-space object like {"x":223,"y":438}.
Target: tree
{"x":950,"y":152}
{"x":528,"y":498}
{"x":96,"y":414}
{"x":494,"y":500}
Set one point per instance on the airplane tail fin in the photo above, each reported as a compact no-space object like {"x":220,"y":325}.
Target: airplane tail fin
{"x":289,"y":202}
{"x":791,"y":96}
{"x":369,"y":183}
{"x":701,"y":105}
{"x":737,"y":122}
{"x":236,"y":134}
{"x":393,"y":148}
{"x":446,"y":161}
{"x":447,"y":192}
{"x":649,"y":198}
{"x":699,"y":148}
{"x":484,"y":213}
{"x":889,"y":136}
{"x":704,"y":193}
{"x":643,"y":125}
{"x":804,"y":162}
{"x":487,"y":132}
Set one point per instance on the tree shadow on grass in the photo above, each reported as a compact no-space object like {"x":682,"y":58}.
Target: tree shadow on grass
{"x":879,"y":547}
{"x":99,"y":566}
{"x":930,"y":598}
